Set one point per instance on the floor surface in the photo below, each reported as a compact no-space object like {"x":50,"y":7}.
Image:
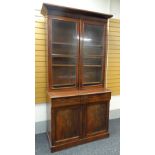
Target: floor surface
{"x":108,"y":146}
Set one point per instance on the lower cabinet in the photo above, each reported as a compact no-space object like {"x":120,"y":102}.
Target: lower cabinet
{"x":77,"y":120}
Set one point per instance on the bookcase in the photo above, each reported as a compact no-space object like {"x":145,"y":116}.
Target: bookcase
{"x":78,"y":109}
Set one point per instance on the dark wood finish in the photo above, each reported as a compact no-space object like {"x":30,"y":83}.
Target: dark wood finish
{"x":78,"y":109}
{"x":50,"y":9}
{"x":100,"y":67}
{"x":70,"y":67}
{"x":78,"y":116}
{"x":97,"y":107}
{"x":95,"y":122}
{"x":83,"y":92}
{"x":66,"y":101}
{"x":94,"y":68}
{"x":68,"y":122}
{"x":77,"y":142}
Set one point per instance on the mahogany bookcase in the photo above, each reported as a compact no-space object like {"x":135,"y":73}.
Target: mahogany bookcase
{"x":78,"y":109}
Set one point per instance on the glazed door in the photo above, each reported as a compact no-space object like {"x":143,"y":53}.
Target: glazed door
{"x":64,"y":47}
{"x":93,"y":46}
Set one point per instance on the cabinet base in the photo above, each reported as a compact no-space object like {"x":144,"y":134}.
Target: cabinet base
{"x":81,"y":141}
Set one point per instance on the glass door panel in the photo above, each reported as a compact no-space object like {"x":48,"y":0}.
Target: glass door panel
{"x":92,"y":50}
{"x":92,"y":53}
{"x":93,"y":35}
{"x":64,"y":32}
{"x":92,"y":75}
{"x":64,"y":76}
{"x":96,"y":61}
{"x":64,"y":53}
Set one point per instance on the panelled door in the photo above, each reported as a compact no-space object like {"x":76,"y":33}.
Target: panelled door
{"x":96,"y":115}
{"x":66,"y":120}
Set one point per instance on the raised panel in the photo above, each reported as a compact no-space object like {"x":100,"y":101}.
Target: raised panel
{"x":96,"y":118}
{"x":68,"y":124}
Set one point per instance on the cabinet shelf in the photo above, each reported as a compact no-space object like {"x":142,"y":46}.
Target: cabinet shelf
{"x":74,"y":56}
{"x":92,"y":65}
{"x":87,"y":83}
{"x":71,"y":44}
{"x":64,"y":85}
{"x":93,"y":56}
{"x":63,"y":56}
{"x":64,"y":43}
{"x":63,"y":65}
{"x":94,"y":45}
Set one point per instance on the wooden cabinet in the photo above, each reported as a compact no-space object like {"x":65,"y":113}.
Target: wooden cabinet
{"x":78,"y":109}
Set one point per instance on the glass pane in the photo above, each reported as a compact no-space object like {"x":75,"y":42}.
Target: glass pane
{"x":92,"y":75}
{"x":93,"y":42}
{"x":64,"y":53}
{"x":92,"y":61}
{"x":64,"y":49}
{"x":64,"y":61}
{"x":93,"y":35}
{"x":64,"y":76}
{"x":64,"y":32}
{"x":92,"y":50}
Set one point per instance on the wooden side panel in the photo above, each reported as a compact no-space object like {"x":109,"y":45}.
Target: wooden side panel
{"x":68,"y":124}
{"x":48,"y":108}
{"x":113,"y":55}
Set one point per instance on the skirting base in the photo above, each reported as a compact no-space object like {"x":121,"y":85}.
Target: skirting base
{"x":77,"y":142}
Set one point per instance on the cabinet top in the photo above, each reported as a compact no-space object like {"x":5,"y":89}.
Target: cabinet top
{"x":50,"y":9}
{"x":69,"y":93}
